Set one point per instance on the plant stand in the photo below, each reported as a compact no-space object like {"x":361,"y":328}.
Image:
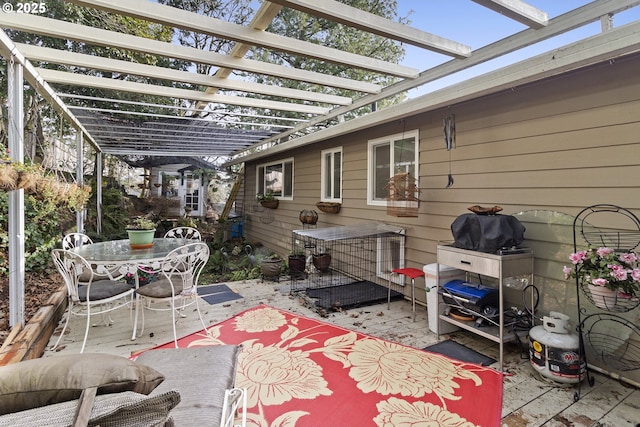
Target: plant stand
{"x":602,"y":333}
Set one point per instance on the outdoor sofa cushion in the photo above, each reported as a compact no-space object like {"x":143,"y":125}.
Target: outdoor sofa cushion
{"x":201,"y":374}
{"x":126,"y":409}
{"x":43,"y":381}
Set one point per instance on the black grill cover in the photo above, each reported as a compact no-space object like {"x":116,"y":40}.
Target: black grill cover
{"x":487,"y":233}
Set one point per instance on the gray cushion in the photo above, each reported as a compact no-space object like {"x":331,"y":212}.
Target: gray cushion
{"x":55,"y":379}
{"x":160,"y":288}
{"x":126,"y":409}
{"x":103,"y":289}
{"x":201,"y":374}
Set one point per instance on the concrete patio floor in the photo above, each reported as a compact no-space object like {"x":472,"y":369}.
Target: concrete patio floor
{"x":528,"y":401}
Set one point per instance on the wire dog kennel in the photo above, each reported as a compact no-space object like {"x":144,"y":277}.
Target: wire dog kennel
{"x":349,"y":265}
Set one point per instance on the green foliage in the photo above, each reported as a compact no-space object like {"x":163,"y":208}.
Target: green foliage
{"x":42,"y":231}
{"x":141,"y":223}
{"x":114,"y":213}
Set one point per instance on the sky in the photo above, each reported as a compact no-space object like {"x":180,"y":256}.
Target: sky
{"x":468,"y":23}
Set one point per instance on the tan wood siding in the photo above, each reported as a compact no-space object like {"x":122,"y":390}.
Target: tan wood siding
{"x":557,"y":145}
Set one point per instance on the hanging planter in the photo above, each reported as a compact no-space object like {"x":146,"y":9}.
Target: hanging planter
{"x":270,"y":204}
{"x":28,"y":180}
{"x":308,"y":217}
{"x":8,"y":177}
{"x":268,"y":201}
{"x":329,"y":207}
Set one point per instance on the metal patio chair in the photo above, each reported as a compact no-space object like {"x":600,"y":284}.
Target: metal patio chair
{"x":183,"y":233}
{"x":72,"y":240}
{"x":177,"y":285}
{"x":95,"y":297}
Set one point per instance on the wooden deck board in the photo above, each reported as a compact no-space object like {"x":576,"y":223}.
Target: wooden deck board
{"x":528,"y":401}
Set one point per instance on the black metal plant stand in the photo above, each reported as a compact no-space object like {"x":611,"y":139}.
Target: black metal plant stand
{"x":621,"y":232}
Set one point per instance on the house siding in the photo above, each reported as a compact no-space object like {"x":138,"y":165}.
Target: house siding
{"x":559,"y":144}
{"x":553,"y":146}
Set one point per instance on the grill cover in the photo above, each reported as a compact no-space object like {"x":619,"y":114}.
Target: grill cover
{"x":487,"y":233}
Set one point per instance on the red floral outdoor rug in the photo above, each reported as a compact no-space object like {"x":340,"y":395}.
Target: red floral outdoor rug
{"x":305,"y":373}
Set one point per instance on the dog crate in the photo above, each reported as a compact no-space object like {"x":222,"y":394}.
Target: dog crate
{"x":349,"y":265}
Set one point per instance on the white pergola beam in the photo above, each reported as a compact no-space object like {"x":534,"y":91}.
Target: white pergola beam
{"x":73,"y":79}
{"x":518,"y":11}
{"x":31,"y":75}
{"x":576,"y":18}
{"x":57,"y":56}
{"x":598,"y":48}
{"x":67,"y":30}
{"x":179,"y":18}
{"x":362,"y":20}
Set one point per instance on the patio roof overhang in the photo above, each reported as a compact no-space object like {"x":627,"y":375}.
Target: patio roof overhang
{"x":196,"y":122}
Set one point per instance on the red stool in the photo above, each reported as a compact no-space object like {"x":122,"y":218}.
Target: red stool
{"x":413,"y":273}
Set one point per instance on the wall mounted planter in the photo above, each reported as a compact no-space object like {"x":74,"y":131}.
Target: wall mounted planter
{"x":329,"y":207}
{"x":270,"y":204}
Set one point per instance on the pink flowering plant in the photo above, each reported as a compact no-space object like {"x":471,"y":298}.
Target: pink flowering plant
{"x":605,"y":267}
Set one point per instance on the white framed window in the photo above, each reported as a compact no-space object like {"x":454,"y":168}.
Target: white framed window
{"x":275,"y":178}
{"x":331,"y":175}
{"x":388,"y":156}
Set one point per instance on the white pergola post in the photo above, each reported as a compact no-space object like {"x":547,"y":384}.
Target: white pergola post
{"x":80,"y":215}
{"x":98,"y":172}
{"x":16,"y":197}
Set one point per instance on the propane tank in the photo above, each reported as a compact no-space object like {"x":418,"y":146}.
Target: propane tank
{"x":554,"y":350}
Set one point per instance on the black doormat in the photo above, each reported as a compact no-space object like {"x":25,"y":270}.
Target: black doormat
{"x":216,"y":294}
{"x":459,"y":352}
{"x":350,"y":295}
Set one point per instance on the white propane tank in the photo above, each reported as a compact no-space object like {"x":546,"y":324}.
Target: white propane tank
{"x":554,"y":350}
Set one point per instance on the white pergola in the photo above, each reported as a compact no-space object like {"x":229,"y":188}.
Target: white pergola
{"x":182,"y":133}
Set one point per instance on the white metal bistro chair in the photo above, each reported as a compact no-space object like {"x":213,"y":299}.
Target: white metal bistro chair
{"x":177,"y":284}
{"x":183,"y":233}
{"x":95,"y":297}
{"x":72,"y":240}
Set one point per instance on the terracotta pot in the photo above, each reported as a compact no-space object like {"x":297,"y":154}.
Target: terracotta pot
{"x":271,"y":267}
{"x":322,"y":262}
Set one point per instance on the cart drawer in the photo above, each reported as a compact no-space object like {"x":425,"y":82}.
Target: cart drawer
{"x":469,"y":262}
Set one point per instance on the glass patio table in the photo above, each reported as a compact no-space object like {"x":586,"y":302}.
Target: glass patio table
{"x":118,"y":256}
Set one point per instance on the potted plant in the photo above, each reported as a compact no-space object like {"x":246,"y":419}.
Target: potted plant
{"x":609,"y":278}
{"x":271,"y":267}
{"x":297,"y":263}
{"x":321,"y":261}
{"x":268,"y":200}
{"x":141,"y":232}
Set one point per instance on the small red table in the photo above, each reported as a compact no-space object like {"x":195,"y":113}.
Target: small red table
{"x":413,"y":273}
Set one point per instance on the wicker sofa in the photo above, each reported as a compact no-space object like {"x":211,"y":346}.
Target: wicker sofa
{"x":181,"y":387}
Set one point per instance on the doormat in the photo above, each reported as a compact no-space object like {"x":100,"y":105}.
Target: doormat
{"x":458,"y":351}
{"x":216,"y":294}
{"x":349,"y":295}
{"x":304,"y":372}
